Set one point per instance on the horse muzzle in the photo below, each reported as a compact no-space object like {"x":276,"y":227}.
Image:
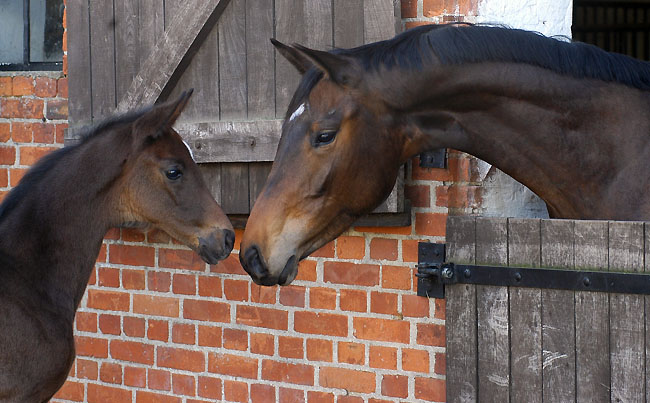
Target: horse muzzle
{"x":253,"y":262}
{"x":216,"y":247}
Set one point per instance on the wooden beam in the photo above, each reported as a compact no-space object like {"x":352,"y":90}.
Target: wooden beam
{"x":172,"y":53}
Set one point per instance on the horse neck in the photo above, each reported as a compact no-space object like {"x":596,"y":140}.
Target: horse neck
{"x":531,"y":123}
{"x":57,"y":230}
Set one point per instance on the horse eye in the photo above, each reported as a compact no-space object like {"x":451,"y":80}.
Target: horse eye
{"x":325,"y":137}
{"x":173,"y":174}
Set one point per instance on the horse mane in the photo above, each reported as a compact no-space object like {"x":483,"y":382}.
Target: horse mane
{"x":45,"y":165}
{"x":454,"y":44}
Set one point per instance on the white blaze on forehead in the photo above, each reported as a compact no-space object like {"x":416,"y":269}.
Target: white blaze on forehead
{"x":189,"y":149}
{"x":299,"y":110}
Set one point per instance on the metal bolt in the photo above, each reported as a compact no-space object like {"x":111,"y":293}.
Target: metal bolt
{"x":586,"y":282}
{"x":198,"y":145}
{"x":447,"y":273}
{"x":467,"y":273}
{"x":517,"y":277}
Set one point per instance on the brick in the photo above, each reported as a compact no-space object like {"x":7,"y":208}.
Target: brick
{"x":383,"y":249}
{"x":381,"y":330}
{"x":419,"y":195}
{"x":132,"y":235}
{"x":415,"y":360}
{"x":87,"y":369}
{"x":156,"y":306}
{"x":351,"y":273}
{"x":349,"y":399}
{"x":235,"y":339}
{"x":319,"y":350}
{"x":439,"y":308}
{"x":183,"y":333}
{"x":382,"y":357}
{"x":108,"y":300}
{"x":5,"y":131}
{"x":383,"y":302}
{"x":385,"y":230}
{"x":110,"y":324}
{"x":262,"y":343}
{"x":322,"y":298}
{"x":396,"y":277}
{"x":307,"y":271}
{"x":262,"y":393}
{"x":235,"y":391}
{"x":183,"y":385}
{"x":26,"y":108}
{"x":108,"y":277}
{"x":183,"y":259}
{"x":291,"y":395}
{"x":262,"y":317}
{"x":22,"y":86}
{"x":292,"y":296}
{"x":409,"y":8}
{"x":157,"y":330}
{"x":210,"y":286}
{"x":299,"y":374}
{"x":159,"y":281}
{"x":206,"y":310}
{"x":110,"y":373}
{"x":429,"y":334}
{"x":431,"y":224}
{"x":16,"y":175}
{"x":103,"y":394}
{"x":430,"y":389}
{"x":233,"y":365}
{"x":350,"y":247}
{"x":86,"y":322}
{"x":4,"y":178}
{"x":290,"y":347}
{"x":135,"y":377}
{"x":30,"y":155}
{"x":440,"y":364}
{"x":263,"y":295}
{"x":182,"y":359}
{"x":409,"y":250}
{"x":320,"y":323}
{"x":395,"y":386}
{"x":73,"y":391}
{"x":236,"y":290}
{"x":414,"y":306}
{"x":155,"y":235}
{"x":209,"y":387}
{"x":132,"y":351}
{"x":132,"y":255}
{"x":150,"y":397}
{"x":229,"y":265}
{"x":320,"y":397}
{"x":354,"y":300}
{"x":326,"y":250}
{"x":22,"y":132}
{"x":57,"y":109}
{"x":6,"y":87}
{"x":133,"y":327}
{"x":184,"y":284}
{"x":210,"y":336}
{"x":351,"y":353}
{"x":7,"y":155}
{"x":45,"y":87}
{"x":62,"y":86}
{"x":59,"y":132}
{"x":351,"y":380}
{"x":133,"y":279}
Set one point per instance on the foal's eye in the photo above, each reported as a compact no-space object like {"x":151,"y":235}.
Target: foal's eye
{"x":173,"y":174}
{"x":325,"y":137}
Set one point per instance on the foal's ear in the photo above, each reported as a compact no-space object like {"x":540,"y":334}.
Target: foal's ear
{"x":162,"y":116}
{"x":340,"y":69}
{"x":299,"y":61}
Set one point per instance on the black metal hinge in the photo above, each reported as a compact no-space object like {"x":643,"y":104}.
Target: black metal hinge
{"x":434,"y":158}
{"x":434,"y":274}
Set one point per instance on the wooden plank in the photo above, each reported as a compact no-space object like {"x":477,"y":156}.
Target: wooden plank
{"x":525,"y":314}
{"x":591,"y":312}
{"x":102,"y":30}
{"x":234,"y":188}
{"x":257,"y":174}
{"x":348,"y":23}
{"x":492,"y":313}
{"x":232,"y":141}
{"x":173,"y":51}
{"x":212,"y":176}
{"x":626,"y":321}
{"x":78,"y":35}
{"x":394,"y":203}
{"x":647,"y":304}
{"x":379,"y":20}
{"x":461,"y":317}
{"x":260,"y":63}
{"x":126,"y":44}
{"x":289,"y":28}
{"x":318,"y":17}
{"x":558,"y":328}
{"x":232,"y":61}
{"x":151,"y":27}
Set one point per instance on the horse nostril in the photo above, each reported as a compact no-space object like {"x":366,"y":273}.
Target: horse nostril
{"x":229,"y":239}
{"x":253,"y":263}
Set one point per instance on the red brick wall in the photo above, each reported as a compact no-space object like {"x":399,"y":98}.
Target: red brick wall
{"x":158,"y":325}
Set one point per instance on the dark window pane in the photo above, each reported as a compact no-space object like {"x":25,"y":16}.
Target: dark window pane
{"x":45,"y":30}
{"x":11,"y":31}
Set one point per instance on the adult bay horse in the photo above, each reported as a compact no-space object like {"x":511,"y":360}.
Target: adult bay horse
{"x":568,"y":120}
{"x":134,"y":168}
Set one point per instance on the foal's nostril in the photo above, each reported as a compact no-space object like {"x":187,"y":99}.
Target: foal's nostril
{"x":229,"y":239}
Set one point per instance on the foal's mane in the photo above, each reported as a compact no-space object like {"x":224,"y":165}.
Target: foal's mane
{"x":39,"y":171}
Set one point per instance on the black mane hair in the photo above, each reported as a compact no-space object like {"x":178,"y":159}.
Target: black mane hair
{"x":40,"y":170}
{"x":466,"y":43}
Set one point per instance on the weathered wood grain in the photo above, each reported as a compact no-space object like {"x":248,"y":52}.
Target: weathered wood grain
{"x":234,"y":188}
{"x":102,"y":43}
{"x":379,"y":20}
{"x":289,"y":28}
{"x":260,"y":63}
{"x":257,"y":174}
{"x":78,"y":35}
{"x":232,"y":61}
{"x":127,"y":57}
{"x":461,"y":317}
{"x":558,"y":328}
{"x":591,"y":312}
{"x":492,"y":313}
{"x":318,"y":17}
{"x":212,"y":176}
{"x":524,"y":238}
{"x":348,"y":23}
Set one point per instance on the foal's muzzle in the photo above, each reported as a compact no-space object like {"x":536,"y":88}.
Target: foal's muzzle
{"x":253,"y":262}
{"x":216,"y":247}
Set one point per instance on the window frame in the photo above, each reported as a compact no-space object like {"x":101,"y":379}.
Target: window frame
{"x":26,"y":65}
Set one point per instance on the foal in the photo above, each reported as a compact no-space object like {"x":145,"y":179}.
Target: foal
{"x":134,"y":168}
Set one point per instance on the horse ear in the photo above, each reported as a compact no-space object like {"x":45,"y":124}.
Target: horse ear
{"x":340,"y":69}
{"x":299,"y":61}
{"x":162,"y":116}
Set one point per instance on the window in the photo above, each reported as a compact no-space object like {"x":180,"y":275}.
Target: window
{"x":31,"y":34}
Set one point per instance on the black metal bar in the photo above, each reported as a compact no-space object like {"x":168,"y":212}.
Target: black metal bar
{"x":430,"y":255}
{"x":434,"y":158}
{"x":26,"y":33}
